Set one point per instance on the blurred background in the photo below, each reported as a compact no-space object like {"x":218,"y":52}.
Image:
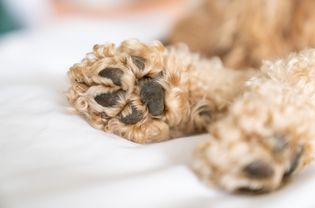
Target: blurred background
{"x":21,"y":15}
{"x":61,"y":32}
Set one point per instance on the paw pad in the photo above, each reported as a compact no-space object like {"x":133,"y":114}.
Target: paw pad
{"x":259,"y":170}
{"x":152,"y":94}
{"x":113,"y":74}
{"x":138,"y":61}
{"x":108,"y":99}
{"x":117,"y":101}
{"x":132,"y":118}
{"x":124,"y":90}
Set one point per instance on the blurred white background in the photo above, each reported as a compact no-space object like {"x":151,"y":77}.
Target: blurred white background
{"x":76,"y":25}
{"x":39,"y":13}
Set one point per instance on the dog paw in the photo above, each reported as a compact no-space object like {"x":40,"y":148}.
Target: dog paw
{"x":149,"y":93}
{"x":121,"y":90}
{"x":254,"y":166}
{"x":249,"y":150}
{"x":136,"y":90}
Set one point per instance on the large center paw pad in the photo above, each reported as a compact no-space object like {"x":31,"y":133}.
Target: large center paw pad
{"x":152,"y":94}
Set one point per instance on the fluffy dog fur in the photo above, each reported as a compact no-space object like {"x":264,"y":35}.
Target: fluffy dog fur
{"x":268,"y":133}
{"x":260,"y":135}
{"x":108,"y":88}
{"x":245,"y":32}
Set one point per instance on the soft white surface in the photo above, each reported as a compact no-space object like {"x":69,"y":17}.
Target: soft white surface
{"x":50,"y":158}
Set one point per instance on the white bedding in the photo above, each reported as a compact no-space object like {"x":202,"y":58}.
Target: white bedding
{"x":51,"y":158}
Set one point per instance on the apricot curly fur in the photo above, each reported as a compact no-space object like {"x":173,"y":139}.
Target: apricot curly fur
{"x":196,"y":90}
{"x":260,"y":123}
{"x":268,"y":132}
{"x":245,"y":32}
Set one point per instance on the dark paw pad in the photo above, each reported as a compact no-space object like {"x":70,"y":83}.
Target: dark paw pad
{"x":108,"y":99}
{"x":258,"y":170}
{"x":113,"y":74}
{"x":138,"y":61}
{"x":134,"y":117}
{"x":152,"y":94}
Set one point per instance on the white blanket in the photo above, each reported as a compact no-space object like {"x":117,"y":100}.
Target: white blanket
{"x":51,"y":158}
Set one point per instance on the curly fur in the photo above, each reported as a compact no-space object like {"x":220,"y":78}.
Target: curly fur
{"x":197,"y":90}
{"x":272,"y":122}
{"x":261,"y":128}
{"x":245,"y":32}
